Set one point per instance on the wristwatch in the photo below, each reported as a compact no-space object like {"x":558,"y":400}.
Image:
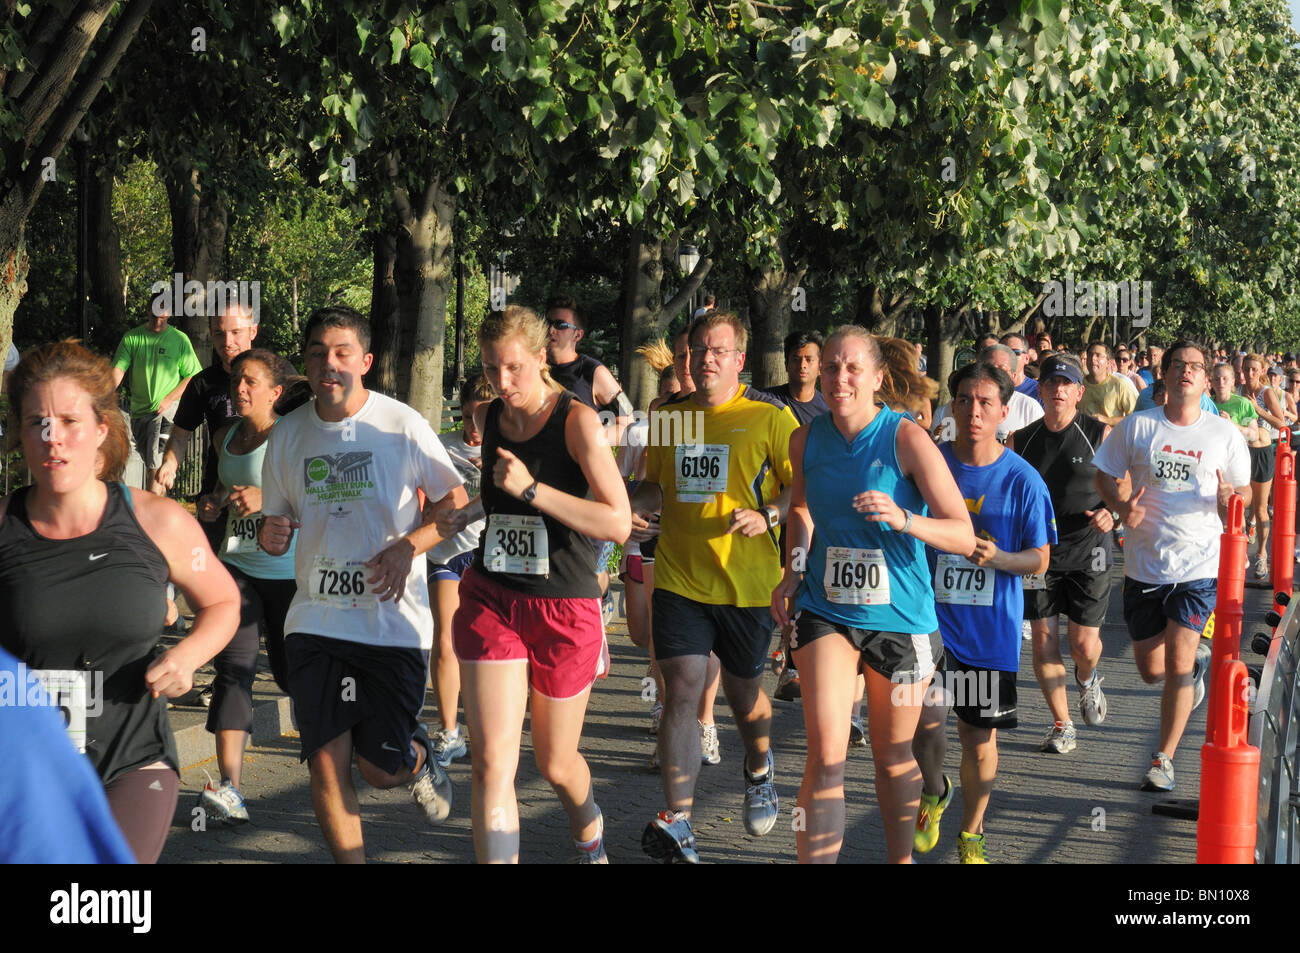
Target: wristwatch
{"x":773,"y":516}
{"x":531,"y":493}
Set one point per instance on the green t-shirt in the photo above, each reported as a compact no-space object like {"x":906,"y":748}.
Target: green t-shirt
{"x":157,"y":363}
{"x":1239,"y":410}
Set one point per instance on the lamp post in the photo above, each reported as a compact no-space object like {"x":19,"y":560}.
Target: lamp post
{"x":688,"y":256}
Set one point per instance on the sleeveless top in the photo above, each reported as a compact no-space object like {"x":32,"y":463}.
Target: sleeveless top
{"x":239,"y":543}
{"x":577,"y":377}
{"x":835,"y":471}
{"x":95,"y":604}
{"x":1266,"y":428}
{"x":571,"y":555}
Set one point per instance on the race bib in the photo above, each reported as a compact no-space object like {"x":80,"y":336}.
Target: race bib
{"x":517,"y":544}
{"x":959,"y":582}
{"x":1173,"y":472}
{"x":67,"y":691}
{"x":1037,"y":580}
{"x":701,"y":471}
{"x":856,"y":577}
{"x":341,"y":583}
{"x":241,"y":533}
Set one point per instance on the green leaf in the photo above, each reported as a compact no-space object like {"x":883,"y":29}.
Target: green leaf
{"x":421,"y":56}
{"x":398,"y":41}
{"x":878,"y":108}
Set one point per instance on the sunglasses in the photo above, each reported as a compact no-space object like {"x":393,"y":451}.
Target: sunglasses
{"x":559,"y":325}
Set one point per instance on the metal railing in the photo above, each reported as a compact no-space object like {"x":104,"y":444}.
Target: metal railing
{"x":1274,"y":727}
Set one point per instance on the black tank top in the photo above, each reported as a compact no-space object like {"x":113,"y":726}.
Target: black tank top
{"x":94,"y":603}
{"x":578,"y":377}
{"x":572,"y":556}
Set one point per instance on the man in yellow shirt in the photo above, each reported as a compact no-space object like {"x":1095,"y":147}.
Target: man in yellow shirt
{"x":723,"y":497}
{"x":1108,"y":397}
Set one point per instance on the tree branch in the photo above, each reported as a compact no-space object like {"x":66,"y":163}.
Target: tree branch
{"x":692,"y":285}
{"x":43,"y":31}
{"x":54,"y":75}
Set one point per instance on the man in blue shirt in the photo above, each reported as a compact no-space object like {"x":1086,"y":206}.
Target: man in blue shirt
{"x":980,"y":603}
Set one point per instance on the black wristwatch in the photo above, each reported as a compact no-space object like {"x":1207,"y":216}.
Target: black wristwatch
{"x":530,"y":494}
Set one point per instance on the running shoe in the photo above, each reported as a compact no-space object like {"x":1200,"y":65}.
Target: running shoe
{"x":1026,"y":631}
{"x":710,"y":753}
{"x":1092,"y":701}
{"x":607,"y":608}
{"x":431,"y":788}
{"x":448,"y":746}
{"x":761,"y":804}
{"x":970,"y":848}
{"x":787,"y":686}
{"x":1261,"y":566}
{"x":656,"y":716}
{"x":223,"y":802}
{"x":669,"y":838}
{"x":857,"y":732}
{"x":654,"y":760}
{"x":1061,"y":739}
{"x":927,"y":818}
{"x":1199,"y":668}
{"x":595,"y":853}
{"x":1161,"y":775}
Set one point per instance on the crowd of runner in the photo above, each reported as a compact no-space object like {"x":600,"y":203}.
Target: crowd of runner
{"x":893,"y":552}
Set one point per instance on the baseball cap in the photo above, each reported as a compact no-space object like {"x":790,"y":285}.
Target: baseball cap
{"x":1057,"y":366}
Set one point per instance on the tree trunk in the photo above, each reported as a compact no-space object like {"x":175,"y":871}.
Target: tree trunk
{"x":880,"y":313}
{"x":642,"y":277}
{"x":107,"y":291}
{"x":773,"y":294}
{"x":943,"y":328}
{"x":13,"y":284}
{"x":199,"y":225}
{"x":385,"y":317}
{"x":430,"y":286}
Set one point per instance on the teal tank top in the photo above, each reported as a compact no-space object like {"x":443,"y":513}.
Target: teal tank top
{"x":860,"y":573}
{"x":239,"y":544}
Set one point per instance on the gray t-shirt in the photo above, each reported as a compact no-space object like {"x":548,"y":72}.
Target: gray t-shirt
{"x":462,"y":458}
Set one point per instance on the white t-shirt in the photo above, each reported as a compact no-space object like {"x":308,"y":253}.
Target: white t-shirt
{"x":352,"y":486}
{"x":1021,"y":412}
{"x":1178,"y":539}
{"x":462,"y":458}
{"x":12,"y":358}
{"x":636,"y":437}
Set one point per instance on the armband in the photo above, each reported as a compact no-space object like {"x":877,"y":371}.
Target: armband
{"x":620,"y":406}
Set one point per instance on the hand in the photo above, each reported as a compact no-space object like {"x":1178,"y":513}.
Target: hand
{"x":452,"y":522}
{"x":1224,"y":415}
{"x":1100,"y":519}
{"x":749,"y":522}
{"x":209,"y":506}
{"x":171,"y":675}
{"x":985,"y":552}
{"x":391,"y":567}
{"x":1134,"y":512}
{"x":245,"y":499}
{"x":783,"y":598}
{"x":880,"y":508}
{"x":510,"y":474}
{"x":1226,"y":490}
{"x":164,"y":477}
{"x":643,"y":528}
{"x":276,"y":533}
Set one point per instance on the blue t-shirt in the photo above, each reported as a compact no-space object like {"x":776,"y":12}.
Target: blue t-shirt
{"x":1010,"y":505}
{"x":1029,"y":387}
{"x":54,"y":811}
{"x":1146,"y":402}
{"x":1146,"y":375}
{"x":877,"y":578}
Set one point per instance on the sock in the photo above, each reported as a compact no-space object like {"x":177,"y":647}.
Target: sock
{"x":1091,"y":679}
{"x":590,"y":845}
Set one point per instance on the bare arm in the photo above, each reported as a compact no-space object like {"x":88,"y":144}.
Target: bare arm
{"x":207,"y":587}
{"x":175,"y":395}
{"x":1023,"y":563}
{"x":118,"y":374}
{"x":798,"y":533}
{"x":949,"y":528}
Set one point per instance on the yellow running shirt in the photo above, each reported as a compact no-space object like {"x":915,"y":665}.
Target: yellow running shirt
{"x":740,"y":460}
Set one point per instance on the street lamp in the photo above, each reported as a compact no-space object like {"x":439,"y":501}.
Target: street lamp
{"x":688,"y":256}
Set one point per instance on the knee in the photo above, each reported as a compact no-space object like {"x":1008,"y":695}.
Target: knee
{"x":826,"y":769}
{"x":556,"y":769}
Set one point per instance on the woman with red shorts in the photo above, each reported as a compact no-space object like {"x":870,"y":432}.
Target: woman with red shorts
{"x":528,"y":631}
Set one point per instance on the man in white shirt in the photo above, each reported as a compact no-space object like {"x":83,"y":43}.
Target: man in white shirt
{"x":1021,"y":411}
{"x":344,"y":471}
{"x":1185,"y":465}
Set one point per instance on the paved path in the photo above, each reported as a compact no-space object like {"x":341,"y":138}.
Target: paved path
{"x":1079,"y":808}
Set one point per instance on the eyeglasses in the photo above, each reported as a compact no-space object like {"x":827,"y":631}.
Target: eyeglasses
{"x":1018,"y":351}
{"x":559,"y":325}
{"x":1194,"y":366}
{"x":719,"y":353}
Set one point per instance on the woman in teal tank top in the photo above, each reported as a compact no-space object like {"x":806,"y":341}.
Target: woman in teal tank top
{"x":865,"y":480}
{"x":266,"y":583}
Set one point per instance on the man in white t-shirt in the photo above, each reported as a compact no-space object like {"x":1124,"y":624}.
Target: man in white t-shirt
{"x":1185,"y":466}
{"x":343,"y":471}
{"x":1021,"y":411}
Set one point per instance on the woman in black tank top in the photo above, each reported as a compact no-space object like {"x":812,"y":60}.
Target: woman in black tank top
{"x":531,"y":596}
{"x":84,"y":566}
